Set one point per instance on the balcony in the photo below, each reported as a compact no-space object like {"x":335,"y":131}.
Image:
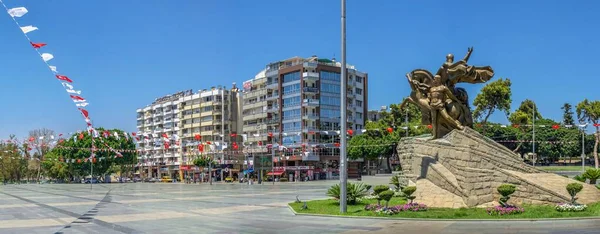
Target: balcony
{"x":311,"y":90}
{"x":272,"y":121}
{"x":272,"y":109}
{"x":140,"y":117}
{"x":310,"y":76}
{"x":310,"y":102}
{"x":310,"y":129}
{"x":168,"y":121}
{"x":271,"y":97}
{"x":158,"y":130}
{"x":310,"y":116}
{"x":310,"y":156}
{"x":272,"y":85}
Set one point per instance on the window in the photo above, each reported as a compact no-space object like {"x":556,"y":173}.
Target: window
{"x":330,"y":88}
{"x":293,"y":126}
{"x":359,"y":79}
{"x":289,"y":89}
{"x":206,"y":118}
{"x":328,"y":100}
{"x":292,"y":101}
{"x":197,"y":111}
{"x":332,"y":76}
{"x":358,"y":103}
{"x":359,"y":115}
{"x":358,"y":91}
{"x":330,"y":113}
{"x":291,"y":114}
{"x":196,"y":120}
{"x":291,"y":77}
{"x":207,"y":108}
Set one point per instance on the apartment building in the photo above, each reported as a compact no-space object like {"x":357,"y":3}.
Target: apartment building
{"x":295,"y":103}
{"x":160,"y":117}
{"x":210,"y":113}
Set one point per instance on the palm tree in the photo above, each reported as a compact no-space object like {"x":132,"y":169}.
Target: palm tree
{"x":589,"y":111}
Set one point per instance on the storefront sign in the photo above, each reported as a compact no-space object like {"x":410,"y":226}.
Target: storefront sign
{"x":293,"y":168}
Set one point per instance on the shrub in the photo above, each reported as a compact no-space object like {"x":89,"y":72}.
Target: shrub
{"x":573,"y":189}
{"x":354,"y":191}
{"x":378,"y":190}
{"x":505,"y":210}
{"x":386,"y":196}
{"x":505,"y":190}
{"x":408,"y":191}
{"x":579,"y":178}
{"x":592,"y":174}
{"x":565,"y":207}
{"x":283,"y":179}
{"x":399,"y":182}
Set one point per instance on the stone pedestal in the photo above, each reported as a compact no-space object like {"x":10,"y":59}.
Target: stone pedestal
{"x":464,"y":169}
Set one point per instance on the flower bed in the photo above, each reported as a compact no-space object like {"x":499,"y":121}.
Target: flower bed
{"x":508,"y":210}
{"x":414,"y":207}
{"x":566,"y":207}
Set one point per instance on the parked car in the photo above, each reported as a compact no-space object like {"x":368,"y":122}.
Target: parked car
{"x":166,"y":179}
{"x":93,"y":181}
{"x":137,"y":179}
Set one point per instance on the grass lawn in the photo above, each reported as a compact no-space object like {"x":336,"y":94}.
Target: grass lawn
{"x":561,"y":168}
{"x":331,"y":207}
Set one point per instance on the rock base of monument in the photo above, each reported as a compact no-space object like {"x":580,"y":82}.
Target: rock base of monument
{"x":464,"y":169}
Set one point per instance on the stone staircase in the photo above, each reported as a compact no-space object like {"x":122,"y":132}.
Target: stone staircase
{"x":471,"y":166}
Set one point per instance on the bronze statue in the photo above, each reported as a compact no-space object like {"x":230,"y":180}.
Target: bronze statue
{"x":442,"y":104}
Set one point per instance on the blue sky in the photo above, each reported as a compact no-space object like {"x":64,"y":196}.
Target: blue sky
{"x":123,"y":54}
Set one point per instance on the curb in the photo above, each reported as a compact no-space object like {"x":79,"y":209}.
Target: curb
{"x":442,"y":220}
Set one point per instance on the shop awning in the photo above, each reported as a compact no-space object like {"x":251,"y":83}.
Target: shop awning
{"x":277,"y":173}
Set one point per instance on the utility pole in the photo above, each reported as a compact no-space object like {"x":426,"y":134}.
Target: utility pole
{"x":343,"y":120}
{"x":273,"y":159}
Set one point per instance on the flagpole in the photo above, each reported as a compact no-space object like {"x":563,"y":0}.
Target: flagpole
{"x":343,"y":120}
{"x":92,"y":165}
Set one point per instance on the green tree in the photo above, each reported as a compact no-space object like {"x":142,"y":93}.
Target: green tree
{"x":568,"y":114}
{"x":77,"y":147}
{"x":523,"y":118}
{"x":493,"y":96}
{"x":589,"y":111}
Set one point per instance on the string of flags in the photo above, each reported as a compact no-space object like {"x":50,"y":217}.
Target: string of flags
{"x":66,"y":82}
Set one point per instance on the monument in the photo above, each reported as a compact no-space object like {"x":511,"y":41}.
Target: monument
{"x":458,"y":167}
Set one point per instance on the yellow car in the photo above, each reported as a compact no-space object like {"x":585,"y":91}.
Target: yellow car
{"x":228,"y":179}
{"x":166,"y":179}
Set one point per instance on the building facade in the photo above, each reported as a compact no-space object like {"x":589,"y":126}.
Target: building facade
{"x":168,"y":128}
{"x":295,"y":105}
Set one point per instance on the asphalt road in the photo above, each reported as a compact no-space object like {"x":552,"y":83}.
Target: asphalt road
{"x":220,"y":208}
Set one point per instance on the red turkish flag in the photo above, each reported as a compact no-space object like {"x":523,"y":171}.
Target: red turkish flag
{"x":197,"y":137}
{"x":200,"y":147}
{"x":233,"y":135}
{"x":84,"y":112}
{"x":75,"y":97}
{"x":165,"y":135}
{"x":260,"y":143}
{"x":390,"y":130}
{"x":80,"y":136}
{"x":64,"y":78}
{"x":133,"y":133}
{"x":31,"y":139}
{"x":429,"y":126}
{"x":37,"y":45}
{"x":270,"y":134}
{"x":337,"y":144}
{"x":235,"y":146}
{"x":556,"y":126}
{"x":208,"y":142}
{"x":166,"y":145}
{"x":350,"y":132}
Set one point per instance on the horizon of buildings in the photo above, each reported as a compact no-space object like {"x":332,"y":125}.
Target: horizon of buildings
{"x":292,"y":105}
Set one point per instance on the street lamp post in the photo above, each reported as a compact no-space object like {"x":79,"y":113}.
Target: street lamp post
{"x":534,"y":156}
{"x":583,"y":148}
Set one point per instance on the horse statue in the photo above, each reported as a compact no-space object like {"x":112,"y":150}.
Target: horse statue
{"x":443,"y":105}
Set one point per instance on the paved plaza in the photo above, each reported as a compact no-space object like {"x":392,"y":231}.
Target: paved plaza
{"x":220,"y":208}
